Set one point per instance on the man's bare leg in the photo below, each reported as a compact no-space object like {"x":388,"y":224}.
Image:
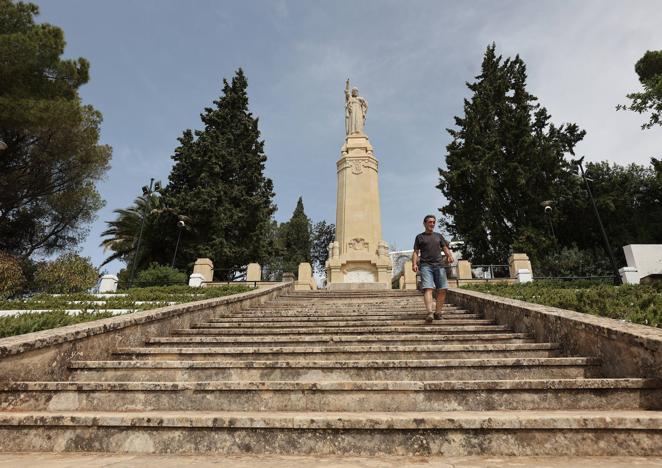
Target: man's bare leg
{"x":429,"y":304}
{"x":441,"y":300}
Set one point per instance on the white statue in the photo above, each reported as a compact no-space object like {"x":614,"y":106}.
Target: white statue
{"x":356,"y":109}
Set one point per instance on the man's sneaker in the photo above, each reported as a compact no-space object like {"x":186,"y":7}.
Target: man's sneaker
{"x":430,"y":317}
{"x":438,"y":315}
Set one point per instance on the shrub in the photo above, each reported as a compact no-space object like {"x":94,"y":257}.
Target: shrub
{"x":157,"y":275}
{"x":573,"y":262}
{"x":12,"y":279}
{"x":69,"y":273}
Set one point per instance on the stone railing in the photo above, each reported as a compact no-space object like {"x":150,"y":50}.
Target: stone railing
{"x":625,"y":349}
{"x":45,"y":355}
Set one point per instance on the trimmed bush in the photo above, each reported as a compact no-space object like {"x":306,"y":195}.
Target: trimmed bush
{"x":160,"y":275}
{"x":634,"y":303}
{"x":12,"y":279}
{"x":68,"y":274}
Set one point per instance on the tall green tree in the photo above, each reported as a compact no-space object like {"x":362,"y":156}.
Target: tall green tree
{"x":218,"y":181}
{"x":53,"y":157}
{"x":649,"y":71}
{"x":295,"y":239}
{"x":322,"y":235}
{"x":628,"y":199}
{"x":506,"y":157}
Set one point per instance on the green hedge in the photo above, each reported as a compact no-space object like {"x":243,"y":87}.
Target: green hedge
{"x":634,"y":303}
{"x":35,"y":321}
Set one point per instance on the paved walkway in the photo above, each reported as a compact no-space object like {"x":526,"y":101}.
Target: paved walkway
{"x":74,"y":460}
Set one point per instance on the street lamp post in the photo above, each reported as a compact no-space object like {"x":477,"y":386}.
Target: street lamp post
{"x":180,"y":228}
{"x":547,"y":206}
{"x":147,"y":192}
{"x":617,"y":276}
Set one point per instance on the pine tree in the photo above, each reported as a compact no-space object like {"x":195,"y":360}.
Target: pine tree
{"x":505,"y":159}
{"x":218,"y":182}
{"x":295,"y":239}
{"x":50,"y":158}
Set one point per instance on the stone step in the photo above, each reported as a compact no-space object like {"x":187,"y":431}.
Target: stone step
{"x":385,"y":306}
{"x":257,"y":317}
{"x":467,"y":395}
{"x":439,"y":328}
{"x":323,"y":371}
{"x":339,"y":351}
{"x":321,"y":295}
{"x":314,"y":323}
{"x":457,"y":433}
{"x":306,"y":340}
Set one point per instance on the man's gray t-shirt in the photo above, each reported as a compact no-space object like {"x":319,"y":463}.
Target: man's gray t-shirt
{"x":430,"y":246}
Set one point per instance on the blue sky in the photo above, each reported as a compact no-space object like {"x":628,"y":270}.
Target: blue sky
{"x":156,"y":64}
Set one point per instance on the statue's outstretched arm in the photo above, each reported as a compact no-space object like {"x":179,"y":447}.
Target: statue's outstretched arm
{"x":347,"y":90}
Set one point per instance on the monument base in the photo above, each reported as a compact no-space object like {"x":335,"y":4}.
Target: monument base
{"x":359,"y":271}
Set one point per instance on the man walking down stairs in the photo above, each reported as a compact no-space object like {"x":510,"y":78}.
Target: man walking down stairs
{"x":346,"y":373}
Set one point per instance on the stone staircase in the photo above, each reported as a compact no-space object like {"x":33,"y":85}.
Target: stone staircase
{"x":352,"y":373}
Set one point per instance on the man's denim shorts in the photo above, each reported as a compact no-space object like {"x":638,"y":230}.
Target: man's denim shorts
{"x":433,"y":277}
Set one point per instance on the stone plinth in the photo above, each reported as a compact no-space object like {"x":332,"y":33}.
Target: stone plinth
{"x":517,"y":262}
{"x":464,"y":270}
{"x":204,"y":267}
{"x":409,"y":276}
{"x":359,"y":256}
{"x":254,"y":272}
{"x":305,"y":280}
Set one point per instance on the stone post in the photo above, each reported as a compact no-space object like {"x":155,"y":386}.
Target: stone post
{"x":629,"y":275}
{"x":409,"y":276}
{"x":524,"y":276}
{"x":517,"y":262}
{"x":254,"y":272}
{"x":305,"y":280}
{"x":108,"y":284}
{"x":196,"y":280}
{"x":204,"y":267}
{"x":464,"y":270}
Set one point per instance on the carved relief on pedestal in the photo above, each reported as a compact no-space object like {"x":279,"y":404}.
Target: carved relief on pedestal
{"x":357,"y":165}
{"x":358,"y":243}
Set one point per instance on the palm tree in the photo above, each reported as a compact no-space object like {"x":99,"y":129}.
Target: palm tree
{"x":122,"y":233}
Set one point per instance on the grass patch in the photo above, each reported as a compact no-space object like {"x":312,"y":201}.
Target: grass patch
{"x":158,"y":296}
{"x":640,"y":304}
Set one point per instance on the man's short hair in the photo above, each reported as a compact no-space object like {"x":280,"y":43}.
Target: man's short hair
{"x":425,"y":220}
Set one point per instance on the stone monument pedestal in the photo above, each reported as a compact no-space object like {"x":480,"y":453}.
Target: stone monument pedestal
{"x":358,"y":259}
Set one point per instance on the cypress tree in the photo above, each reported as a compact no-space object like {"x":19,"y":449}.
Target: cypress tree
{"x":295,"y":239}
{"x":505,"y":159}
{"x":218,"y":182}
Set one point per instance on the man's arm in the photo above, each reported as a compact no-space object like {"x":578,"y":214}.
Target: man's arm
{"x":449,"y":255}
{"x":414,"y":261}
